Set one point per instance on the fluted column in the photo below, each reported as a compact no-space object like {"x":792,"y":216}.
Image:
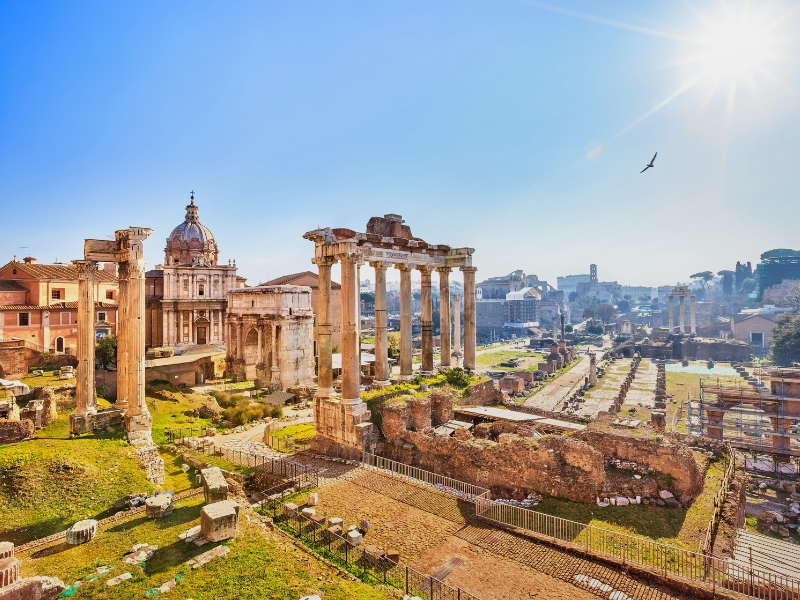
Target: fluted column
{"x":456,"y":324}
{"x":444,"y":315}
{"x":85,"y":400}
{"x":123,"y":324}
{"x":324,"y":329}
{"x":239,"y":339}
{"x":692,"y":314}
{"x":427,"y":322}
{"x":669,"y":313}
{"x":180,"y":327}
{"x":469,"y":317}
{"x":351,"y":363}
{"x":260,"y":330}
{"x":406,"y":369}
{"x":381,"y":336}
{"x":681,"y":308}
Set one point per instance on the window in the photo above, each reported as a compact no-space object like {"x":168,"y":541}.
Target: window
{"x":24,"y":319}
{"x":200,"y":289}
{"x":55,"y":295}
{"x":110,"y":295}
{"x":65,"y":319}
{"x":101,"y":316}
{"x":757,"y":338}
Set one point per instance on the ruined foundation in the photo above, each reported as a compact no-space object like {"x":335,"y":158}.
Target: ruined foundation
{"x":343,"y":430}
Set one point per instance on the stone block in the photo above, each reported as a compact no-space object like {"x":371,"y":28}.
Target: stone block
{"x":215,"y":488}
{"x":218,"y":521}
{"x":308,"y":512}
{"x":34,"y":588}
{"x":9,"y":572}
{"x":211,"y":431}
{"x":355,"y":537}
{"x":313,"y":499}
{"x":118,"y":579}
{"x":6,"y":549}
{"x":393,"y":556}
{"x":201,"y":559}
{"x":373,"y":554}
{"x":621,"y":501}
{"x":665,"y":494}
{"x":319,"y":520}
{"x":336,"y":521}
{"x":331,"y":533}
{"x":158,"y":506}
{"x":365,"y":526}
{"x":81,"y":532}
{"x":290,"y":510}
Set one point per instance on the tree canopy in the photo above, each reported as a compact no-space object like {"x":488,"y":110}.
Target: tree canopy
{"x":786,"y":339}
{"x":106,"y":350}
{"x":624,"y":306}
{"x":703,"y":277}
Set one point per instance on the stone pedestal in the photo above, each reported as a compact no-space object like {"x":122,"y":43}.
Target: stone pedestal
{"x":89,"y":422}
{"x":343,"y":430}
{"x":158,"y":506}
{"x":218,"y":521}
{"x":658,"y":419}
{"x":81,"y":532}
{"x":215,"y":488}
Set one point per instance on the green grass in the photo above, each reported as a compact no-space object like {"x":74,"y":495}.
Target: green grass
{"x":49,"y":483}
{"x":301,"y":433}
{"x":495,"y":358}
{"x":48,"y":379}
{"x":255,"y":568}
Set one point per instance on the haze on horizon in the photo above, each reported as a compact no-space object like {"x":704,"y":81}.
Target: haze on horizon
{"x":517,"y":128}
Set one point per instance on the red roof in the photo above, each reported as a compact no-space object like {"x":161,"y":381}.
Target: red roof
{"x":291,"y":279}
{"x":65,"y":272}
{"x":56,"y":306}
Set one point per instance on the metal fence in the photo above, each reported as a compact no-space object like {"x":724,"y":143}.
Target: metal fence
{"x":669,"y":560}
{"x":373,"y":568}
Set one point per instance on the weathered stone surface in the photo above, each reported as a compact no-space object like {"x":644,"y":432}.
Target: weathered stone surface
{"x":215,"y":488}
{"x":6,"y":549}
{"x":319,"y":520}
{"x":218,"y":521}
{"x":365,"y":526}
{"x":158,"y":506}
{"x":354,"y":537}
{"x":81,"y":532}
{"x":15,"y":431}
{"x":290,"y":509}
{"x":201,"y":559}
{"x":118,"y":579}
{"x":308,"y":512}
{"x":333,"y":532}
{"x":393,"y":556}
{"x":34,"y":588}
{"x":9,"y":572}
{"x":313,"y":499}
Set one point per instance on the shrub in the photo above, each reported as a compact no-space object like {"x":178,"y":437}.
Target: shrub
{"x":277,"y":412}
{"x":457,"y":377}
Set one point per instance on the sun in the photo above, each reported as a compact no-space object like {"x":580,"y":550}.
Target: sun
{"x":739,"y":47}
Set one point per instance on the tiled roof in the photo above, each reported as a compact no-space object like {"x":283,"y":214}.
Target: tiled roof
{"x":68,"y":272}
{"x":155,"y":274}
{"x":56,"y":306}
{"x":11,"y":286}
{"x":290,"y":279}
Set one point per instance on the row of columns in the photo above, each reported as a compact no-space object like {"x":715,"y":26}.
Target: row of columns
{"x":174,"y":322}
{"x":351,"y":318}
{"x":681,"y":313}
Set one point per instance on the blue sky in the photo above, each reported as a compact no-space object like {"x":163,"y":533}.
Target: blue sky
{"x":511,"y":127}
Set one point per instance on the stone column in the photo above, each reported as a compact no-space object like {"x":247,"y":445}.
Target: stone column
{"x":123,"y":324}
{"x":192,"y":330}
{"x":180,"y":328}
{"x":592,"y":369}
{"x":692,"y":314}
{"x":85,"y":400}
{"x":273,"y":359}
{"x":164,"y":326}
{"x":427,"y":322}
{"x":444,"y":315}
{"x":239,"y":339}
{"x":469,"y":317}
{"x":381,"y":335}
{"x":351,"y":367}
{"x":457,"y":326}
{"x":681,"y":310}
{"x":406,"y":370}
{"x":669,"y":313}
{"x":260,"y":330}
{"x":324,"y":329}
{"x":138,"y":416}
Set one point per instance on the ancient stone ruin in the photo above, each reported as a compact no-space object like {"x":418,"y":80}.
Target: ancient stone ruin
{"x":127,"y":249}
{"x":14,"y":587}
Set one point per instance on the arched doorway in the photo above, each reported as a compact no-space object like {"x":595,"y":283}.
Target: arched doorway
{"x":251,"y":353}
{"x":202,"y":329}
{"x":60,"y":344}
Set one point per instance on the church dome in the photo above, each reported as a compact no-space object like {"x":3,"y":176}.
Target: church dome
{"x":191,"y":241}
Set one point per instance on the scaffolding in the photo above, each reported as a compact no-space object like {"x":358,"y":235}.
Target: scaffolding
{"x":761,"y":418}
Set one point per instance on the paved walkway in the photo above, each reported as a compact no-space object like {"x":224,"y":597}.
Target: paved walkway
{"x":557,"y":390}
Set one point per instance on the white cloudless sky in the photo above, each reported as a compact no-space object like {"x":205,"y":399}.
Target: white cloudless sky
{"x":515,"y":128}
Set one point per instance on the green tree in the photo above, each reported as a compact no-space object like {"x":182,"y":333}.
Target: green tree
{"x":748,"y":285}
{"x":573,"y":296}
{"x":590,"y":312}
{"x":368,"y":297}
{"x":106,"y":350}
{"x":785,"y":347}
{"x":606,"y":312}
{"x":703,"y":277}
{"x":624,"y":306}
{"x":568,"y":328}
{"x":727,"y":281}
{"x":393,"y":342}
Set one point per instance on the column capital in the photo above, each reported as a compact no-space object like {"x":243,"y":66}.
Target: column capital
{"x":324,"y":261}
{"x":379,"y":265}
{"x":444,"y":269}
{"x":348,"y":257}
{"x":404,"y":267}
{"x":468,"y":269}
{"x":425,"y":269}
{"x":85,"y":267}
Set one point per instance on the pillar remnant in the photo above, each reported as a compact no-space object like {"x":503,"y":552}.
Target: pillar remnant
{"x":427,"y":322}
{"x":457,"y":356}
{"x":85,"y":399}
{"x":469,"y":318}
{"x":324,"y":329}
{"x":406,"y":371}
{"x":444,"y":316}
{"x":592,"y":369}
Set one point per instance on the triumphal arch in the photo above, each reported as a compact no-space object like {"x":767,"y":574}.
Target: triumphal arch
{"x":387,"y":243}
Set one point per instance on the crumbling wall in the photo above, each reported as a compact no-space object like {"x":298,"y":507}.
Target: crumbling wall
{"x":660,"y":453}
{"x":49,"y":404}
{"x":441,"y":408}
{"x":419,"y":413}
{"x":342,"y":429}
{"x":15,"y":431}
{"x":483,"y":393}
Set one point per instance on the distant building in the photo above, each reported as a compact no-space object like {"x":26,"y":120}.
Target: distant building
{"x":39,"y":304}
{"x":775,"y":267}
{"x":569,"y":283}
{"x":496,"y":288}
{"x":754,"y":326}
{"x":777,"y":293}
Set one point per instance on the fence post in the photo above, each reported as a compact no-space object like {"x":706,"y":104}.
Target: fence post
{"x":406,"y":579}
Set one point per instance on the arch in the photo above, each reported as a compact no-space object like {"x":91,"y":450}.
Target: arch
{"x":251,"y":353}
{"x":59,"y":344}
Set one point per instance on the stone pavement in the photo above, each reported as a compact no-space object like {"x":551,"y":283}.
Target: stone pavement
{"x":557,"y":390}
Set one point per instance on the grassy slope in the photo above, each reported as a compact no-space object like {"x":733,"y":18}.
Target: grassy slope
{"x":300,"y":433}
{"x":47,"y":379}
{"x":255,"y":568}
{"x":683,"y":528}
{"x":495,"y":358}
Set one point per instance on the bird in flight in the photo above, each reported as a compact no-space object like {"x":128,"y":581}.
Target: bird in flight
{"x":651,"y":163}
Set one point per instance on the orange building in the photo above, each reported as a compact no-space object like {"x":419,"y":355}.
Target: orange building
{"x":39,"y":303}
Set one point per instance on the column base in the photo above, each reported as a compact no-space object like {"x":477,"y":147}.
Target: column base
{"x":404,"y":378}
{"x":89,"y":422}
{"x":381,"y":384}
{"x":324,"y":394}
{"x":425,"y":373}
{"x":351,"y":402}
